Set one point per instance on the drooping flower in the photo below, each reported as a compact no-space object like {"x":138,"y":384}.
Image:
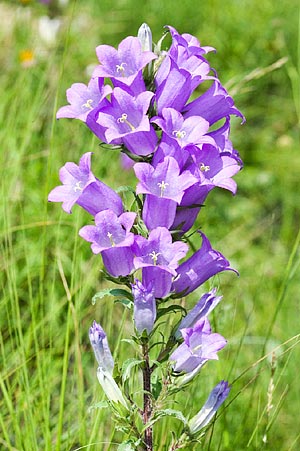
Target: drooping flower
{"x":216,"y":398}
{"x":83,"y":99}
{"x":144,"y":311}
{"x":80,"y":186}
{"x":213,"y":105}
{"x":158,"y":257}
{"x":199,"y":346}
{"x":203,"y":264}
{"x":111,"y":237}
{"x":202,"y":309}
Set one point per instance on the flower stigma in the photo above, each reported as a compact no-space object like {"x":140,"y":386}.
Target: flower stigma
{"x":77,"y":186}
{"x":179,"y":134}
{"x":204,"y":168}
{"x":88,"y":104}
{"x":121,"y":68}
{"x":123,"y":120}
{"x":154,"y":255}
{"x":162,"y":185}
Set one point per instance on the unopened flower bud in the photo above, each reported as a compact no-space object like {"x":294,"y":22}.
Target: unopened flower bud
{"x":101,"y":349}
{"x":145,"y":36}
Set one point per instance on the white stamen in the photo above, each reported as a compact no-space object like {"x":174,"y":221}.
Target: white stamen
{"x":111,"y":239}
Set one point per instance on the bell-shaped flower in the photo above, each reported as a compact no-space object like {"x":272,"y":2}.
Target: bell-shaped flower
{"x":83,"y":99}
{"x":101,"y":348}
{"x":189,"y":42}
{"x":199,"y":346}
{"x":124,"y":66}
{"x":213,"y":168}
{"x":125,"y":121}
{"x":144,"y":310}
{"x":158,"y":257}
{"x":213,"y":105}
{"x":164,"y":187}
{"x":203,"y":307}
{"x":216,"y":398}
{"x":80,"y":186}
{"x":173,"y":86}
{"x":184,"y":131}
{"x":203,"y":264}
{"x":111,"y":237}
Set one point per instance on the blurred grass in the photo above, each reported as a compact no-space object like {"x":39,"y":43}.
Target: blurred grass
{"x":49,"y":276}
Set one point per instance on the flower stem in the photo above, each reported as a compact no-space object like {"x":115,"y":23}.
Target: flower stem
{"x":147,"y":398}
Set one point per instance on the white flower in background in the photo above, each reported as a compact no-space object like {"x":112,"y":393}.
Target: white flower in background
{"x":48,"y":29}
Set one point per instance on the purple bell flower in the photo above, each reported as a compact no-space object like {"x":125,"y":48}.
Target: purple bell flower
{"x":111,"y":237}
{"x":199,"y":346}
{"x":84,"y":98}
{"x":80,"y":186}
{"x":202,"y":265}
{"x":125,"y":121}
{"x":144,"y":311}
{"x":202,"y":309}
{"x":164,"y":187}
{"x":158,"y":257}
{"x":124,"y":66}
{"x":216,"y":398}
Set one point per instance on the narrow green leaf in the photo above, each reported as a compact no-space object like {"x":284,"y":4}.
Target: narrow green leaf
{"x":172,"y":308}
{"x":127,"y":367}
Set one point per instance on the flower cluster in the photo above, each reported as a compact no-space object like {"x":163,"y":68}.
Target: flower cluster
{"x":179,"y":140}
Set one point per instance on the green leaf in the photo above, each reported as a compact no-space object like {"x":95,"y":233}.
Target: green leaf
{"x":111,"y":292}
{"x":126,"y":446}
{"x":127,"y":366}
{"x":128,"y":304}
{"x":172,"y":308}
{"x":167,"y":412}
{"x":98,"y":405}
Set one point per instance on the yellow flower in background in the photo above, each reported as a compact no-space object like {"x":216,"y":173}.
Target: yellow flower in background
{"x":27,"y":58}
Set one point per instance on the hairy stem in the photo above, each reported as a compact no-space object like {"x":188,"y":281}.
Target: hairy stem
{"x":147,"y":398}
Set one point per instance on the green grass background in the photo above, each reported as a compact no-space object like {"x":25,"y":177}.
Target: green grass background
{"x":48,"y":275}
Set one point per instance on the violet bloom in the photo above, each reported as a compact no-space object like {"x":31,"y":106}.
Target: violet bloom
{"x":158,"y":257}
{"x":83,"y":99}
{"x":101,"y":348}
{"x":199,"y":346}
{"x":203,"y":307}
{"x":202,"y":265}
{"x":213,"y":105}
{"x":144,"y":311}
{"x":216,"y":398}
{"x":164,"y":187}
{"x":124,"y":66}
{"x":80,"y":186}
{"x":184,"y":131}
{"x":173,"y":86}
{"x":111,"y":237}
{"x":125,"y":121}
